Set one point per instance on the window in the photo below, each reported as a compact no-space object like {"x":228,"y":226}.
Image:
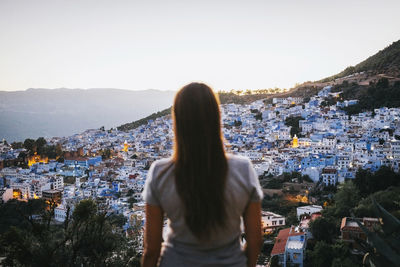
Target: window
{"x":281,"y":222}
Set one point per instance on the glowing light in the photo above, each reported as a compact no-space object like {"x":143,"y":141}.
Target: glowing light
{"x":295,"y":142}
{"x":297,"y":198}
{"x":125,"y":149}
{"x":16,"y":194}
{"x":37,"y":159}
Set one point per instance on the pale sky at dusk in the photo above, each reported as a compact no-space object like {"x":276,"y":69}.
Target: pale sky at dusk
{"x":166,"y":44}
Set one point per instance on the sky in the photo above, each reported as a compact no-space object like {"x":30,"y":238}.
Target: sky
{"x":147,"y":44}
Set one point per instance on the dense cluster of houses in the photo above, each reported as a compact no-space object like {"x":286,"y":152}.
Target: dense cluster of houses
{"x":331,"y":145}
{"x":111,"y":166}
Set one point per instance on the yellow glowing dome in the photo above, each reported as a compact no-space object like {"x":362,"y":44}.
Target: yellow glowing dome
{"x":125,"y":146}
{"x":295,"y":142}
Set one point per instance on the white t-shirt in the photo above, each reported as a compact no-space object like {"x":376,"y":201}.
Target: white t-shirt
{"x":242,"y":187}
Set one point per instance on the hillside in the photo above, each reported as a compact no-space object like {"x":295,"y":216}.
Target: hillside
{"x":356,"y":82}
{"x":224,"y":97}
{"x":385,"y":64}
{"x":132,"y":125}
{"x":385,"y":61}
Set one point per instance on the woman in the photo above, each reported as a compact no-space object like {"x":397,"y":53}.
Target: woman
{"x":202,"y":191}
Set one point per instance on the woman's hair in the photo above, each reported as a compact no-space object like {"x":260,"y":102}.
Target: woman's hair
{"x":199,"y":158}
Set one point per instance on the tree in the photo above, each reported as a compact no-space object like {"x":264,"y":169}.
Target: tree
{"x":323,"y":229}
{"x":389,"y":199}
{"x":40,"y":143}
{"x":237,"y":123}
{"x":59,"y":151}
{"x":294,"y":123}
{"x":17,"y":145}
{"x":337,"y":255}
{"x":29,"y":144}
{"x":368,"y":183}
{"x":130,"y":192}
{"x":131,"y":201}
{"x":91,"y":238}
{"x":321,"y":255}
{"x":306,"y":178}
{"x":346,"y":199}
{"x":382,"y":83}
{"x":291,"y":218}
{"x":275,"y":261}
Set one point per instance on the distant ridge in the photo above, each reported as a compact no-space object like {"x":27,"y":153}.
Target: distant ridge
{"x":43,"y":112}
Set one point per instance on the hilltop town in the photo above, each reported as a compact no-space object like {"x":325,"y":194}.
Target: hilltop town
{"x":298,"y":147}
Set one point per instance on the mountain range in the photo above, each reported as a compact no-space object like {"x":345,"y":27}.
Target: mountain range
{"x":62,"y":112}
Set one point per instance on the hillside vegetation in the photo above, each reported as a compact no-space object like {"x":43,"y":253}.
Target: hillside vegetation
{"x":381,"y":94}
{"x":386,"y":60}
{"x":135,"y":124}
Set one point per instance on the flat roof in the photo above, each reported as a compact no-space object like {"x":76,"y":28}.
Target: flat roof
{"x":295,"y":244}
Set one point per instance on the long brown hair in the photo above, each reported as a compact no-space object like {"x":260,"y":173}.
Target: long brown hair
{"x":199,"y":158}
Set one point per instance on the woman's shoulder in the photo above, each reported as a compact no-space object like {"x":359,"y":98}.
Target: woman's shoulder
{"x":245,"y":175}
{"x":162,"y":162}
{"x":238,"y":160}
{"x":160,"y":167}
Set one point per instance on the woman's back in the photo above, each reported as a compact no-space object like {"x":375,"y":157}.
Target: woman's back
{"x":242,"y":187}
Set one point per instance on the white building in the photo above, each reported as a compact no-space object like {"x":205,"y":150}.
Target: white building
{"x":271,"y":221}
{"x":329,"y":176}
{"x":60,"y":213}
{"x":308,"y":210}
{"x":329,"y":141}
{"x":343,"y":162}
{"x":395,"y":149}
{"x":295,"y":250}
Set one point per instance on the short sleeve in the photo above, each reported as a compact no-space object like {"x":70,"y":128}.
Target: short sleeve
{"x":256,"y":194}
{"x":149,"y":193}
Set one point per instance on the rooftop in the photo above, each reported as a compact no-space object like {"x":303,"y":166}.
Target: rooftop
{"x":281,"y":240}
{"x":295,"y":244}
